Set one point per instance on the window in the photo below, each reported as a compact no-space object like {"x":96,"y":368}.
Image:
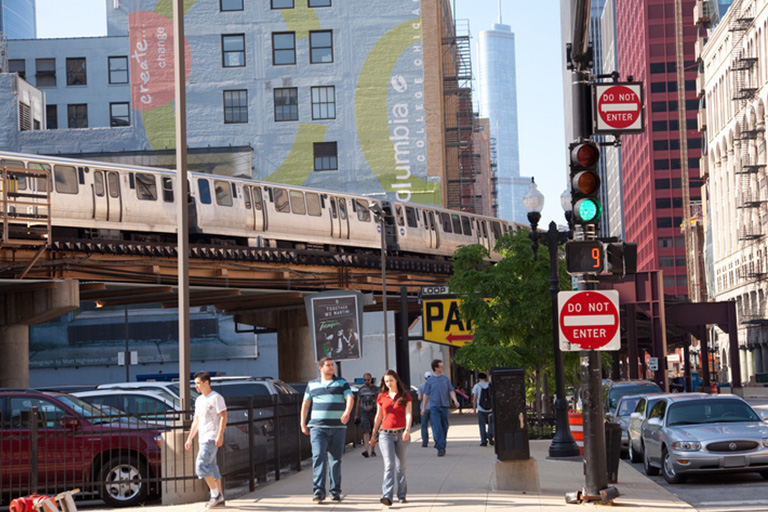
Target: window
{"x":411,"y":217}
{"x":660,"y":145}
{"x":223,"y":192}
{"x":282,"y":4}
{"x":313,"y":204}
{"x":324,"y":102}
{"x":659,"y":126}
{"x":233,"y":50}
{"x":445,"y":219}
{"x":45,"y":72}
{"x":204,"y":191}
{"x":167,"y":189}
{"x":466,"y":225}
{"x":231,"y":5}
{"x":363,"y":212}
{"x":77,"y":115}
{"x":297,"y":202}
{"x":658,"y":87}
{"x":65,"y":179}
{"x":236,"y":106}
{"x":663,"y":202}
{"x":119,"y":114}
{"x":118,"y":70}
{"x":318,"y":3}
{"x":283,"y":48}
{"x":52,"y":117}
{"x":287,"y":104}
{"x":146,"y":188}
{"x":76,"y":71}
{"x":325,"y":156}
{"x":321,"y":47}
{"x":657,"y":68}
{"x":661,"y":164}
{"x":282,"y":204}
{"x":18,"y":66}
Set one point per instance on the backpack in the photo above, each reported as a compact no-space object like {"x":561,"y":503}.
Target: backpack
{"x":485,"y":400}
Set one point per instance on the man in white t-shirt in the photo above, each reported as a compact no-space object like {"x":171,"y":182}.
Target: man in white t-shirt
{"x":483,"y":413}
{"x":210,"y":422}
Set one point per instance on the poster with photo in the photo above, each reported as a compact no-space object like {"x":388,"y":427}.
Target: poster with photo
{"x":336,"y":322}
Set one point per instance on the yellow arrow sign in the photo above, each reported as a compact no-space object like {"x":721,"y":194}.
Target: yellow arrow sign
{"x":442,"y":323}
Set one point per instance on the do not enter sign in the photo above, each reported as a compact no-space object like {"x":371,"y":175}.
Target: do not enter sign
{"x":619,"y":107}
{"x":589,"y":320}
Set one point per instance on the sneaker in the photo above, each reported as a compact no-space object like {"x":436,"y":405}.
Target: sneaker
{"x":218,"y":501}
{"x":336,"y":497}
{"x":386,"y":501}
{"x":365,"y":454}
{"x":425,"y":445}
{"x":441,"y":454}
{"x":318,"y":498}
{"x":373,"y":453}
{"x":402,"y":500}
{"x":483,"y":444}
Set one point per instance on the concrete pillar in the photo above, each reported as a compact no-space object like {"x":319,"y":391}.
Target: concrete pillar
{"x":176,"y":463}
{"x":14,"y":345}
{"x":764,"y":354}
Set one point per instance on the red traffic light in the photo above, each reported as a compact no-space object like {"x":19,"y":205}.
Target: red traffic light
{"x":585,"y":154}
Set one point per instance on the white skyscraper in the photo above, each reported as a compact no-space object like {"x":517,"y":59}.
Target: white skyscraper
{"x":498,"y":102}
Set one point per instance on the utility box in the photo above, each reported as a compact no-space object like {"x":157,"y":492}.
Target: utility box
{"x":510,"y":424}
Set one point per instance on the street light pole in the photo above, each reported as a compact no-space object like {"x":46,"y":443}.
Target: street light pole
{"x":563,"y":443}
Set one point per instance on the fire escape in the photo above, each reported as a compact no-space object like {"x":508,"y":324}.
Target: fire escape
{"x":460,"y":157}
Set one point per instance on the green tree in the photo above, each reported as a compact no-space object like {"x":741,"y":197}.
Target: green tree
{"x":509,"y":304}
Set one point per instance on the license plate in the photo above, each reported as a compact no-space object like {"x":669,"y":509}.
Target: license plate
{"x":734,"y":461}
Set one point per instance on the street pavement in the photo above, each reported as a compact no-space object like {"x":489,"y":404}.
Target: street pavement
{"x":464,"y":480}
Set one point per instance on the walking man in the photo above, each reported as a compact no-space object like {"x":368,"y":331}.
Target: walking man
{"x":424,"y":414}
{"x":438,"y":395}
{"x":332,"y":400}
{"x":210,"y":421}
{"x":481,"y":402}
{"x":365,"y":411}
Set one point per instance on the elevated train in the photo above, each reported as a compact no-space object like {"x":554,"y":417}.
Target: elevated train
{"x":105,"y":201}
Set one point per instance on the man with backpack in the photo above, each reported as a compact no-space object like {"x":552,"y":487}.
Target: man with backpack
{"x":483,"y":405}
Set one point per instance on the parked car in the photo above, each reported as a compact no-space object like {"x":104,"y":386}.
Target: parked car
{"x":624,"y":408}
{"x":635,"y":424}
{"x":688,"y":434}
{"x":78,"y":446}
{"x":613,"y":390}
{"x":148,"y":406}
{"x":171,"y":388}
{"x":256,"y":386}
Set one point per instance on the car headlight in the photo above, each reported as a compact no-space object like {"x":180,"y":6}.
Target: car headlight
{"x":686,"y":446}
{"x":765,"y":442}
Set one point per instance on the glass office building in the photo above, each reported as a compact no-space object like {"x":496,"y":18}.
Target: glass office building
{"x":17,"y":19}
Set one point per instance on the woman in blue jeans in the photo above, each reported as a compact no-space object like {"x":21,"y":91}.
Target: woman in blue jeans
{"x":393,"y":426}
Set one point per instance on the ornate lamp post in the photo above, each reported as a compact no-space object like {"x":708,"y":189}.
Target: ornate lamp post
{"x":563,"y":444}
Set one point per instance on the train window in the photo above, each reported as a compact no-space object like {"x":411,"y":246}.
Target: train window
{"x":247,"y":197}
{"x":204,"y":191}
{"x":65,"y":177}
{"x":456,"y":223}
{"x":146,"y":187}
{"x":334,"y":214}
{"x":257,"y":202}
{"x":167,"y":189}
{"x":313,"y":204}
{"x":297,"y":202}
{"x":410,"y":216}
{"x":446,"y":220}
{"x":496,"y":229}
{"x":466,"y":225}
{"x":42,"y":182}
{"x":484,"y":229}
{"x":363,"y":213}
{"x":223,"y":193}
{"x":281,"y":200}
{"x":343,"y":209}
{"x":21,"y":181}
{"x":431,"y":221}
{"x":400,"y":218}
{"x":98,"y":183}
{"x":113,"y":182}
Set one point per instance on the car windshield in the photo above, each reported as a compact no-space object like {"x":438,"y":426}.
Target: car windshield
{"x":696,"y":412}
{"x":619,"y":391}
{"x":627,"y":406}
{"x":95,"y":415}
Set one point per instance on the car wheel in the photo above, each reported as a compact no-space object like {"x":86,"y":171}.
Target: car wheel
{"x":633,"y":455}
{"x":668,"y":470}
{"x":123,"y":482}
{"x":764,"y":474}
{"x":649,"y":470}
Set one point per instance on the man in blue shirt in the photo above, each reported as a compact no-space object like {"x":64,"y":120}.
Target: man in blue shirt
{"x":438,"y":396}
{"x":331,"y":399}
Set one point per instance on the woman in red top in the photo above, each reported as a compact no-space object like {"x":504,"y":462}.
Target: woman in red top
{"x":393,"y":424}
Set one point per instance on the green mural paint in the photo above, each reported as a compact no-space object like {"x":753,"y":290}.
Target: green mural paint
{"x":372,"y":119}
{"x":299,"y":163}
{"x":165,"y":7}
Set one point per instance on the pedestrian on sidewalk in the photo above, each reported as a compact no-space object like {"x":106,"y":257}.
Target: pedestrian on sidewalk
{"x":438,"y":395}
{"x":424,"y":413}
{"x":332,"y":401}
{"x":210,"y":421}
{"x":481,"y":403}
{"x":365,"y":411}
{"x":393,"y":426}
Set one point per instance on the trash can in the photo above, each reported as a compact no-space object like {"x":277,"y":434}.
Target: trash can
{"x":510,"y":425}
{"x":613,"y":450}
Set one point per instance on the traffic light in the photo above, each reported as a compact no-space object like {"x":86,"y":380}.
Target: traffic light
{"x":585,"y":184}
{"x":584,"y":256}
{"x":621,"y":258}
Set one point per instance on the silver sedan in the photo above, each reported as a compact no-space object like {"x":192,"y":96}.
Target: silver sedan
{"x":692,"y":434}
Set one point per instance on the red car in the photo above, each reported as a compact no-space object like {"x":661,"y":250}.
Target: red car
{"x":78,"y":445}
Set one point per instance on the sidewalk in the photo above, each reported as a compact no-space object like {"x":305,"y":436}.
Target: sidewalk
{"x":463,"y":480}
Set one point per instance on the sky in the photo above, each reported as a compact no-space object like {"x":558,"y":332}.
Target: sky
{"x":539,"y":50}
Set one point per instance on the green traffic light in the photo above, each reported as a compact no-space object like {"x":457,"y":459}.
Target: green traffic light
{"x":588,"y":210}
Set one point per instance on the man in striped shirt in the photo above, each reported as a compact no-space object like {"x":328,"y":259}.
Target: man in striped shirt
{"x":332,"y":400}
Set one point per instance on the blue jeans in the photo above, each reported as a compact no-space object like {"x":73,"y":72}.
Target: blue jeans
{"x":482,"y":421}
{"x":206,"y":465}
{"x":425,"y":428}
{"x":438,"y":416}
{"x":393,"y":450}
{"x":327,"y":447}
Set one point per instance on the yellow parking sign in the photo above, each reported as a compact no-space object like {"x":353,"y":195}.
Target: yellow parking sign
{"x":442,"y":323}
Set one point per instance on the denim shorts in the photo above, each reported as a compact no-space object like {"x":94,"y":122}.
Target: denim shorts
{"x":206,"y":461}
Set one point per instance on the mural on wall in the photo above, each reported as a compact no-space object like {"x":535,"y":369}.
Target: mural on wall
{"x":376,"y":70}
